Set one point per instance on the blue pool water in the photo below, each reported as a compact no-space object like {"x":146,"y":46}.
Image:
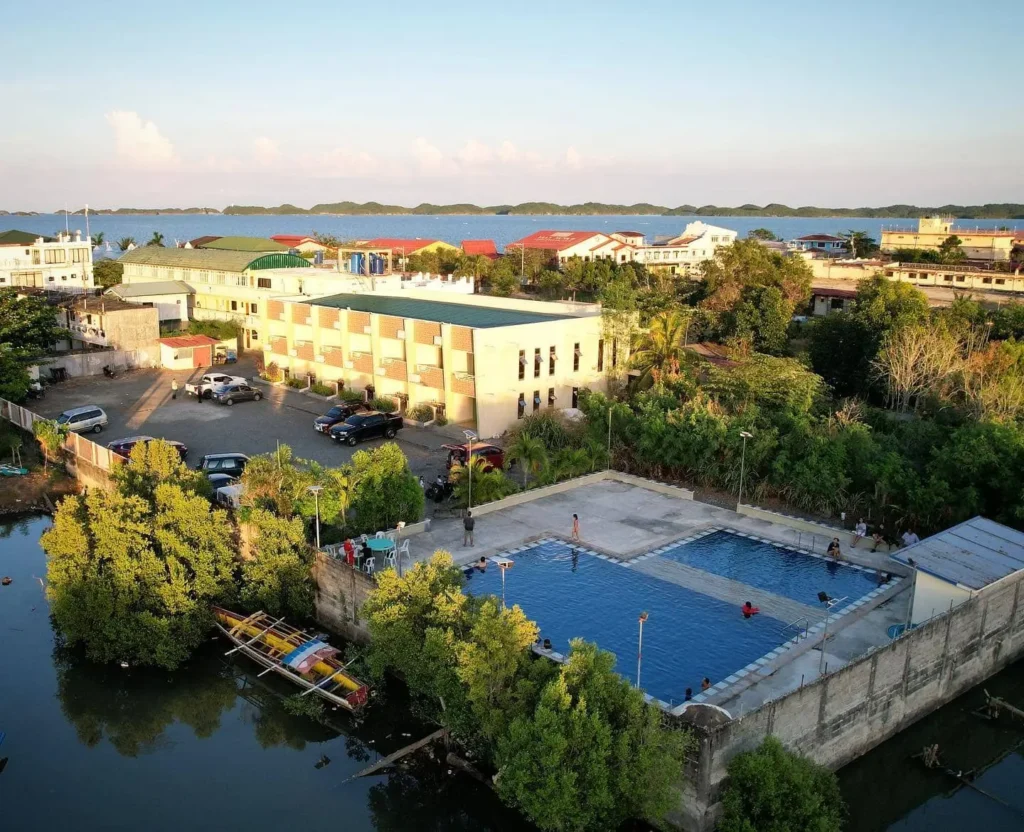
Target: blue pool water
{"x":771,"y":568}
{"x":687,"y":636}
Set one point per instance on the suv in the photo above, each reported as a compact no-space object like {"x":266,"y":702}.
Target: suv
{"x":494,"y":456}
{"x":230,"y":393}
{"x":367,"y":426}
{"x":211,"y":381}
{"x":81,"y":419}
{"x":338,"y":413}
{"x":123,"y":447}
{"x":231,"y":464}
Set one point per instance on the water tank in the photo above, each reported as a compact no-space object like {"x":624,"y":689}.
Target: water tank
{"x":356,"y":264}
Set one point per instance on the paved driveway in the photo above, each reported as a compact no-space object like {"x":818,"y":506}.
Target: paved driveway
{"x":139,"y":402}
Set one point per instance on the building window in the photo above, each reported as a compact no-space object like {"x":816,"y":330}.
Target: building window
{"x":615,"y":353}
{"x":234,"y":306}
{"x":262,"y":282}
{"x":986,"y":280}
{"x":536,"y":363}
{"x":522,"y":406}
{"x":254,"y":309}
{"x":575,"y":396}
{"x":960,"y":278}
{"x":536,"y":400}
{"x":551,"y":361}
{"x":522,"y":364}
{"x":551,"y":397}
{"x":55,"y":255}
{"x":64,"y":277}
{"x":600,"y":355}
{"x":576,"y":357}
{"x":1000,"y":281}
{"x":255,"y":335}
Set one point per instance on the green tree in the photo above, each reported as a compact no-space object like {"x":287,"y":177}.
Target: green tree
{"x":155,"y":463}
{"x":126,"y":243}
{"x":841,"y":348}
{"x":487,"y":486}
{"x":761,"y":318}
{"x":504,"y":278}
{"x":762,"y":234}
{"x":530,"y":453}
{"x":951,"y":251}
{"x":1008,"y":321}
{"x":276,"y":577}
{"x":860,"y":244}
{"x":107,"y":272}
{"x":98,"y":239}
{"x":51,"y":437}
{"x":773,"y":790}
{"x":747,"y":263}
{"x":28,"y":325}
{"x":660,"y":349}
{"x":551,"y":283}
{"x":156,"y":240}
{"x":14,"y":378}
{"x":384,"y":490}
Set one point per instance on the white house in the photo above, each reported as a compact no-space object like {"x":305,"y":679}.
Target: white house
{"x":821,"y":243}
{"x":173,"y":298}
{"x":679,"y":255}
{"x":30,"y":261}
{"x":586,"y":245}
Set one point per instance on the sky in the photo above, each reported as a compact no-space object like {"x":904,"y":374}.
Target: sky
{"x":733,"y":102}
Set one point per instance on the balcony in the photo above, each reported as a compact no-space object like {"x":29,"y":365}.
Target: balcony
{"x":464,"y":384}
{"x":88,"y":334}
{"x":429,"y":376}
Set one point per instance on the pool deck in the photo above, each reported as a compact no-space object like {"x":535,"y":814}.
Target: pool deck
{"x":629,"y":522}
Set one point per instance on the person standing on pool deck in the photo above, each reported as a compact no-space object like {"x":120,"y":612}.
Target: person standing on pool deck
{"x":468,"y":523}
{"x":860,"y":531}
{"x":576,"y":528}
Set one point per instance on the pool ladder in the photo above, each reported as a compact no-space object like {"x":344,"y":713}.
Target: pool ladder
{"x":794,"y":625}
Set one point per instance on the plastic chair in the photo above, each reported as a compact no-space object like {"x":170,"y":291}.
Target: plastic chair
{"x":363,"y":538}
{"x":369,"y":565}
{"x":380,"y":535}
{"x":389,"y":561}
{"x":404,"y":548}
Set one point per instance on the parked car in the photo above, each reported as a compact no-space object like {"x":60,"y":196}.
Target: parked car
{"x":338,"y":413}
{"x":494,"y":456}
{"x":86,"y":418}
{"x":215,"y":464}
{"x":367,"y":425}
{"x":229,"y":496}
{"x":206,"y":385}
{"x":123,"y":447}
{"x":219,"y":481}
{"x":236,"y":392}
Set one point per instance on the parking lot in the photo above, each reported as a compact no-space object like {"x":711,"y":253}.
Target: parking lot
{"x":139,"y":403}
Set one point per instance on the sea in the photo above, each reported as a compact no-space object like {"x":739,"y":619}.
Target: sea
{"x":177,"y":228}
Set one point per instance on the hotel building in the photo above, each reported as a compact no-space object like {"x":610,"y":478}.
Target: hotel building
{"x":63,"y":264}
{"x":976,"y":244}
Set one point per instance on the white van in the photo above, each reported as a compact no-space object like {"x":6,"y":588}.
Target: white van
{"x":83,"y":419}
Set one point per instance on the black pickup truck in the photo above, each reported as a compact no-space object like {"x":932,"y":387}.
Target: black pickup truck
{"x":367,"y":425}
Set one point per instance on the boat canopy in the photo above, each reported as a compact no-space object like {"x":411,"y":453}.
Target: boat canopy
{"x":303,"y":657}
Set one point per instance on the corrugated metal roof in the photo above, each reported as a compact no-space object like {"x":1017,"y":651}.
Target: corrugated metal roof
{"x":250,"y":244}
{"x":210,"y":258}
{"x":973,"y":554}
{"x":14,"y":237}
{"x":411,"y":246}
{"x":184,"y":341}
{"x":476,"y":248}
{"x":551,"y":240}
{"x":157,"y":287}
{"x":478,"y":317}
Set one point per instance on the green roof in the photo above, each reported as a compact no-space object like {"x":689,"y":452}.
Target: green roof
{"x":460,"y":314}
{"x":250,"y":244}
{"x":20,"y":238}
{"x":204,"y":258}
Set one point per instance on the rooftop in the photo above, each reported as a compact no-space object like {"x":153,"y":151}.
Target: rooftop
{"x":157,"y":287}
{"x":14,"y":237}
{"x":821,"y":238}
{"x":477,"y":248}
{"x":201,"y":241}
{"x":549,"y":240}
{"x":291,"y":240}
{"x":206,"y":258}
{"x":100,"y":305}
{"x":250,"y":244}
{"x":460,"y":314}
{"x":185,"y":341}
{"x":973,"y":554}
{"x":410,"y":245}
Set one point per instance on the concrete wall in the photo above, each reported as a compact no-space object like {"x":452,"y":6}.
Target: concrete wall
{"x":844,"y":715}
{"x":341,"y":592}
{"x":934,"y":596}
{"x":91,"y":363}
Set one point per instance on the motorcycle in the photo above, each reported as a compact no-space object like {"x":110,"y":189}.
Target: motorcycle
{"x":36,"y":391}
{"x":109,"y":372}
{"x":440,"y":490}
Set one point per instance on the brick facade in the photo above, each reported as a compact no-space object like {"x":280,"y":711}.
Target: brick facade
{"x":302,"y":313}
{"x":333,"y":356}
{"x":327,"y":317}
{"x":395,"y":370}
{"x":464,"y":385}
{"x":304,"y":350}
{"x":279,"y":345}
{"x":275,"y":310}
{"x":390,"y":326}
{"x":362,"y":362}
{"x":357,"y":321}
{"x":431,"y":377}
{"x":462,"y":338}
{"x":426,"y":331}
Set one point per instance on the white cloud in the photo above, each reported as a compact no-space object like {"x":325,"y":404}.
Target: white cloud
{"x":476,"y":153}
{"x":573,"y":159}
{"x":342,"y":162}
{"x":508,"y":152}
{"x":265,"y":151}
{"x":139,"y":142}
{"x":430,"y":159}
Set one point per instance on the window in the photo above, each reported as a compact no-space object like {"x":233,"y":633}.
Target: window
{"x":960,"y":278}
{"x":522,"y":406}
{"x":986,"y":280}
{"x":262,"y":282}
{"x":522,"y":364}
{"x":255,"y":335}
{"x":551,"y":361}
{"x":64,"y":277}
{"x":79,"y":255}
{"x":536,"y":363}
{"x":536,"y":400}
{"x":234,"y":306}
{"x":551,"y":397}
{"x":576,"y":357}
{"x":837,"y":303}
{"x":1000,"y":281}
{"x":948,"y":278}
{"x":55,"y":255}
{"x":600,"y":355}
{"x":615,"y":352}
{"x":575,"y":396}
{"x":254,"y":309}
{"x":50,"y":279}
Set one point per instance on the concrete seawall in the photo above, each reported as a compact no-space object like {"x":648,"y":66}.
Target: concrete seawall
{"x":845,"y":714}
{"x":341,"y":592}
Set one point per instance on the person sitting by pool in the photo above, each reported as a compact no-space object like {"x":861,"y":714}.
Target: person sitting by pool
{"x":688,"y":695}
{"x":833,"y":550}
{"x":860,"y":531}
{"x":367,"y":552}
{"x":749,"y":609}
{"x":705,"y":685}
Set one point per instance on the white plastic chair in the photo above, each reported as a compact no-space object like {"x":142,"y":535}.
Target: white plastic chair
{"x":389,"y":561}
{"x":368,"y":566}
{"x":363,"y":538}
{"x":404,"y":548}
{"x":380,"y":535}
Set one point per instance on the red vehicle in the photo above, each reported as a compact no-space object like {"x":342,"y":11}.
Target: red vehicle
{"x":123,"y":447}
{"x":494,"y":455}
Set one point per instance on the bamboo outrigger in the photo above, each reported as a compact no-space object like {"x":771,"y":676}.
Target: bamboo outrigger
{"x":294,"y":654}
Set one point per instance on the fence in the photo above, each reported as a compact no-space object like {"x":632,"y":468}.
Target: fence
{"x":81,"y":448}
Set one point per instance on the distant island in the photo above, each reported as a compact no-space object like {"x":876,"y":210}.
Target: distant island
{"x":989,"y":211}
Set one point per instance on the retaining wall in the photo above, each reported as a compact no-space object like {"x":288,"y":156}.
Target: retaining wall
{"x":847,"y":713}
{"x":341,"y":592}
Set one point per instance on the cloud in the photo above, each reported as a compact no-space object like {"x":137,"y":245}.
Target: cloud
{"x":508,"y":152}
{"x":139,"y":142}
{"x":430,"y":159}
{"x":476,"y":153}
{"x":573,"y":159}
{"x":341,"y":161}
{"x":265,"y":151}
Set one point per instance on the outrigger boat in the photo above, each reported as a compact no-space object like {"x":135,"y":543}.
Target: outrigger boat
{"x":304,"y":659}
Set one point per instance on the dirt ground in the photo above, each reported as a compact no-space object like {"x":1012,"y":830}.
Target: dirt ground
{"x":31,"y":492}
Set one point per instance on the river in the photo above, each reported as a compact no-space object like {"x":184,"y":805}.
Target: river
{"x":452,"y":229}
{"x":211,"y":746}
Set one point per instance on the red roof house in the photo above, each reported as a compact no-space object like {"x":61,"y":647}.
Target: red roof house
{"x":480,"y":248}
{"x":406,"y":245}
{"x":556,"y":240}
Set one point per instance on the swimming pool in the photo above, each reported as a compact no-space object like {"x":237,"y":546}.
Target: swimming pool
{"x":773,"y":568}
{"x":687,"y":636}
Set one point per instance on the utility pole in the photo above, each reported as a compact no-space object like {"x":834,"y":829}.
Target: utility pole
{"x":743,"y":463}
{"x":640,"y":648}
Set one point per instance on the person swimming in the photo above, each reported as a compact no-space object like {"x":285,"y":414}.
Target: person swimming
{"x":749,"y":609}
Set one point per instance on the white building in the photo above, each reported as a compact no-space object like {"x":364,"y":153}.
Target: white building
{"x":586,"y":245}
{"x":172,"y":298}
{"x":61,"y":265}
{"x":698,"y":242}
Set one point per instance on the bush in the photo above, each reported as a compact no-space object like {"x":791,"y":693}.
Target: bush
{"x":298,"y":383}
{"x":440,"y":421}
{"x":421,"y":413}
{"x":350,"y":396}
{"x":271,"y":372}
{"x":385,"y":404}
{"x":221,"y":330}
{"x":771,"y":789}
{"x":321,"y":389}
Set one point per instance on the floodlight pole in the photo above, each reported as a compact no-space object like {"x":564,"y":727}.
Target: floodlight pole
{"x":316,"y":489}
{"x":470,"y":438}
{"x":743,"y":464}
{"x":640,"y":648}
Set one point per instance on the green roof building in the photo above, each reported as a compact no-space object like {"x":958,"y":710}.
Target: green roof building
{"x":250,"y":244}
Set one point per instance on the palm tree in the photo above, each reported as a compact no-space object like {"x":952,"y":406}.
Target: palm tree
{"x":97,"y":239}
{"x":662,"y":346}
{"x":156,"y":240}
{"x":126,"y":243}
{"x":530,"y":453}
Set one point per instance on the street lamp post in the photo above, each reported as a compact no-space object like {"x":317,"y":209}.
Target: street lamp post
{"x":470,"y":438}
{"x":831,"y":602}
{"x":743,"y":464}
{"x":316,"y":489}
{"x":609,"y":435}
{"x":504,"y":564}
{"x":640,"y":648}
